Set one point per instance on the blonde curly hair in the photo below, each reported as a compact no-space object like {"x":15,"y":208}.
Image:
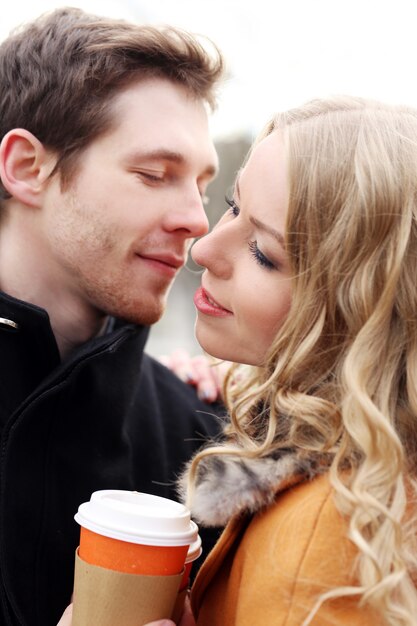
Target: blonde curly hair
{"x":340,"y":380}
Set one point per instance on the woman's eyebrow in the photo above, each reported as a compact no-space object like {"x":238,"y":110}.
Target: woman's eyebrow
{"x":237,"y":188}
{"x":265,"y":227}
{"x":268,"y":229}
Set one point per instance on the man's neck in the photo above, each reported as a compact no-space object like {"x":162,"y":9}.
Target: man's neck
{"x":26,"y":274}
{"x":71,"y":331}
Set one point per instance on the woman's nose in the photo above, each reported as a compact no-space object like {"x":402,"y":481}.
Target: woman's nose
{"x":212,"y":253}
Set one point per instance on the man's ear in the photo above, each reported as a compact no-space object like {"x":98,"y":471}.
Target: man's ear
{"x":25,"y":166}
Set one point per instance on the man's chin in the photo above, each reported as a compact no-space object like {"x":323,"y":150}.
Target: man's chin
{"x":143,"y":316}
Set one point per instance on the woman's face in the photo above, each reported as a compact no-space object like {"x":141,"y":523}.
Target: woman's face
{"x":246,"y":286}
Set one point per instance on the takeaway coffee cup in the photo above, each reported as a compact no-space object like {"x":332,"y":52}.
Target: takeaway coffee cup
{"x":194,"y":551}
{"x":131,"y":559}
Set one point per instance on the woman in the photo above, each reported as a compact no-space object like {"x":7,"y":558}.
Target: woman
{"x":310,"y":278}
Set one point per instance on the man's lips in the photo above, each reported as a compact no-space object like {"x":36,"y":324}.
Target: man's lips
{"x":169,"y":263}
{"x":206,"y":304}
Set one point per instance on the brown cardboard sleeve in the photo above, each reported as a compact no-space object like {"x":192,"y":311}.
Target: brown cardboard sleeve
{"x":179,"y":605}
{"x":109,"y":598}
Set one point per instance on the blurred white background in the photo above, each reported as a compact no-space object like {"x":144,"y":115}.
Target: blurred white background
{"x":279,"y":53}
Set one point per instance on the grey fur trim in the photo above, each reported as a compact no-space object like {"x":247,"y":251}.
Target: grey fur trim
{"x":227,"y":485}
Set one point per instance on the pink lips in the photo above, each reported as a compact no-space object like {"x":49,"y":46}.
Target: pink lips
{"x":207,"y":305}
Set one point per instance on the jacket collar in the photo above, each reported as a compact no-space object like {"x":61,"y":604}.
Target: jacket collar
{"x":20,"y":317}
{"x":227,"y":485}
{"x":29,"y":353}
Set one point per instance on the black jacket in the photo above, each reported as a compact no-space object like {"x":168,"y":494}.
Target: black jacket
{"x":109,"y":417}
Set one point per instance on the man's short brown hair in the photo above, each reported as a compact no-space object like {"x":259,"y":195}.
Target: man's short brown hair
{"x":60,"y":73}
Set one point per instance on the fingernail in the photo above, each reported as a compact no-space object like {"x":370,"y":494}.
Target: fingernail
{"x":205,"y":395}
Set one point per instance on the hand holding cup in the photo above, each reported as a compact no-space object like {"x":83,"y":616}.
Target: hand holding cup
{"x":131,"y":558}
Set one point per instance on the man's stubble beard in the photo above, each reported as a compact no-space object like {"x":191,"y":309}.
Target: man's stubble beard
{"x":143,"y":308}
{"x":112,"y":293}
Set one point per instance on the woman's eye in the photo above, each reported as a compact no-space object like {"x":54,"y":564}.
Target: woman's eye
{"x":234,"y":209}
{"x":260,"y":258}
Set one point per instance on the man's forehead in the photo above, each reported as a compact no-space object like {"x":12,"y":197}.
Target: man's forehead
{"x":158,"y":120}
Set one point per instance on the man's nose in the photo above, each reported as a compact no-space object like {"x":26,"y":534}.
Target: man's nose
{"x":188,"y":215}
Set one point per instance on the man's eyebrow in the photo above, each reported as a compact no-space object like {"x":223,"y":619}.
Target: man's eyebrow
{"x":162,"y":154}
{"x":268,"y":229}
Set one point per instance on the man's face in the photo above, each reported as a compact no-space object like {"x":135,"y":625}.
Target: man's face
{"x":116,"y":238}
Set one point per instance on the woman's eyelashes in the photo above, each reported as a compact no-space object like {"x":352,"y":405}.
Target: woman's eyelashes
{"x":234,"y":209}
{"x":259,"y":256}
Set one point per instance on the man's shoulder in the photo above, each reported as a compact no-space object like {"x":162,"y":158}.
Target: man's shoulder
{"x":171,"y":389}
{"x":166,"y":379}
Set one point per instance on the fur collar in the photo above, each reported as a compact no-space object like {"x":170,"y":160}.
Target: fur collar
{"x":227,"y":485}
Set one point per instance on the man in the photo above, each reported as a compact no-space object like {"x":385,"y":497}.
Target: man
{"x":105,"y":157}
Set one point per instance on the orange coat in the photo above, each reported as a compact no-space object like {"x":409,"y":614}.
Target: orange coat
{"x":269,"y":569}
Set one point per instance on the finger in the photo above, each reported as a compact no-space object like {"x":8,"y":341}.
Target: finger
{"x":207,"y":382}
{"x":187,"y":618}
{"x":161,"y":622}
{"x":181,"y":363}
{"x":180,"y":366}
{"x":66,"y":618}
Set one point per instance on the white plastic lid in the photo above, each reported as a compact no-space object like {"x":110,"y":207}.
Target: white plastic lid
{"x":137,"y":518}
{"x":194,"y":550}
